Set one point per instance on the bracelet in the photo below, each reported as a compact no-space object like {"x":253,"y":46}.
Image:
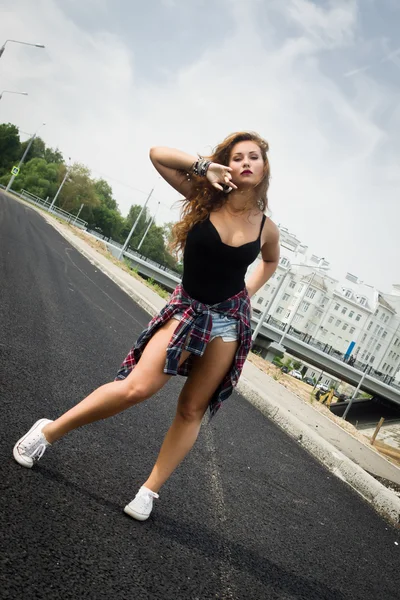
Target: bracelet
{"x":200,"y":167}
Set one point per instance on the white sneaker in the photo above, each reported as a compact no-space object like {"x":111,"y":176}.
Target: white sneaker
{"x":30,"y":448}
{"x":141,"y":507}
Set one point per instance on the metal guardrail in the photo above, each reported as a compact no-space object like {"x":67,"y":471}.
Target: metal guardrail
{"x":59,"y":212}
{"x":131,"y":252}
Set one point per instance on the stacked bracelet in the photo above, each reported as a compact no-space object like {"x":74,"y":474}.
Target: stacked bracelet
{"x":200,"y":167}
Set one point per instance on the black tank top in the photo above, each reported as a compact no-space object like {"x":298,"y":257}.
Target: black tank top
{"x":214,"y":271}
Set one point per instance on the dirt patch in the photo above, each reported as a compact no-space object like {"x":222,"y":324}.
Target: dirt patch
{"x":304,"y":392}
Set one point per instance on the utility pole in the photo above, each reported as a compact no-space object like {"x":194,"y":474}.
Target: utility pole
{"x":60,"y":188}
{"x":134,"y":226}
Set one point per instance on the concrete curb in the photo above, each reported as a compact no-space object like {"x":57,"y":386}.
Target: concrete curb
{"x":383,"y":500}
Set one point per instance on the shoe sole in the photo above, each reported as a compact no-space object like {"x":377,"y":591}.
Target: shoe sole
{"x":20,"y":459}
{"x":134,"y":514}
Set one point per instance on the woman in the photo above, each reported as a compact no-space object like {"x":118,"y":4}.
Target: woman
{"x":204,"y":330}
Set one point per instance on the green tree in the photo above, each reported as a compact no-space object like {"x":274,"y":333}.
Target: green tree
{"x":37,"y":177}
{"x":105,"y":194}
{"x":106,"y":221}
{"x":37,"y":149}
{"x":78,"y":189}
{"x":10,"y":147}
{"x":53,"y":156}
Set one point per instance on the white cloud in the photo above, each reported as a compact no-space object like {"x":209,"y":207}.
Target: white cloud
{"x":330,"y":184}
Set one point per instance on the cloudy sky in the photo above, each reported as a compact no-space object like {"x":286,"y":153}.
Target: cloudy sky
{"x":320,"y":80}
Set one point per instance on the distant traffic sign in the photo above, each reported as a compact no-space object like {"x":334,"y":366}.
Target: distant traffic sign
{"x":15,"y":170}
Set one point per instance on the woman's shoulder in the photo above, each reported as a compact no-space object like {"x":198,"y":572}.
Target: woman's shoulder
{"x":270,"y":231}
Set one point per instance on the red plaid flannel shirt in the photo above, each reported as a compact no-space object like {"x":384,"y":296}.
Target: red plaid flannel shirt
{"x":193,"y":334}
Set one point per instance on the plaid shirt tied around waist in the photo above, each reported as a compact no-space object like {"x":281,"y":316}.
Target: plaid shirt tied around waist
{"x":193,"y":334}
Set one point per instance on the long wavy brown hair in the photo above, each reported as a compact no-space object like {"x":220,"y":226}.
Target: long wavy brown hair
{"x":204,"y":197}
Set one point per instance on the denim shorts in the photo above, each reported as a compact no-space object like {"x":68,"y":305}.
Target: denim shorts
{"x":223,"y":326}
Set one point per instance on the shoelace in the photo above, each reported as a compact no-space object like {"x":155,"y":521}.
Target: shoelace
{"x":36,"y":452}
{"x":147,"y":496}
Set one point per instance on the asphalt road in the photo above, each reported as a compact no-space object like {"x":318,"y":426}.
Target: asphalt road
{"x":248,"y":515}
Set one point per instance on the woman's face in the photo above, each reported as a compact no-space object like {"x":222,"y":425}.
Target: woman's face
{"x":247,"y":164}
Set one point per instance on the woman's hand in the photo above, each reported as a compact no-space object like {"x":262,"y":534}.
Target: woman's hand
{"x":219,"y":176}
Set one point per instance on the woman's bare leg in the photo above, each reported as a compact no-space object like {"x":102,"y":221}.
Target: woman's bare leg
{"x":112,"y":398}
{"x":207,"y":373}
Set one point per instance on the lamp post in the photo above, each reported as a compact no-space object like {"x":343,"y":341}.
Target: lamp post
{"x":10,"y":92}
{"x":23,"y":157}
{"x":18,"y":42}
{"x":60,"y":188}
{"x":148,"y":227}
{"x":366,"y":371}
{"x":134,"y":226}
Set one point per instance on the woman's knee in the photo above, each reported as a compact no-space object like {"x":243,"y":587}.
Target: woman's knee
{"x":191,"y":411}
{"x":135,"y":391}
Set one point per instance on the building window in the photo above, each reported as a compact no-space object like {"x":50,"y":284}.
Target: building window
{"x":372,"y":359}
{"x":344,"y":310}
{"x":351,"y":314}
{"x":300,"y":287}
{"x":338,"y":323}
{"x":363,"y":301}
{"x":337,"y":306}
{"x":286,"y":297}
{"x":376,"y":329}
{"x":292,"y":283}
{"x":311,"y":293}
{"x":287,"y":314}
{"x":266,"y":287}
{"x":305,"y":306}
{"x":364,"y":338}
{"x":345,"y":326}
{"x":383,"y":368}
{"x":284,"y":261}
{"x":279,"y":310}
{"x":348,"y":294}
{"x":352,"y":329}
{"x":330,"y":320}
{"x":369,"y":326}
{"x":384,"y":334}
{"x":260,"y":300}
{"x":378,"y":347}
{"x":358,"y":317}
{"x":273,"y":290}
{"x":387,"y":319}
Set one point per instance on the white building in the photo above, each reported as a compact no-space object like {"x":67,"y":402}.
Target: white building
{"x":330,"y":313}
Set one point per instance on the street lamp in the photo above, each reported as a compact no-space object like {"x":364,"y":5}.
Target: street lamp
{"x":18,"y":42}
{"x":60,"y":188}
{"x":9,"y":92}
{"x":363,"y":376}
{"x":23,"y":157}
{"x":124,"y":247}
{"x":148,"y":227}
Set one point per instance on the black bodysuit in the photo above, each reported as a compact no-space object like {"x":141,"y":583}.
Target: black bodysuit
{"x":214,"y":271}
